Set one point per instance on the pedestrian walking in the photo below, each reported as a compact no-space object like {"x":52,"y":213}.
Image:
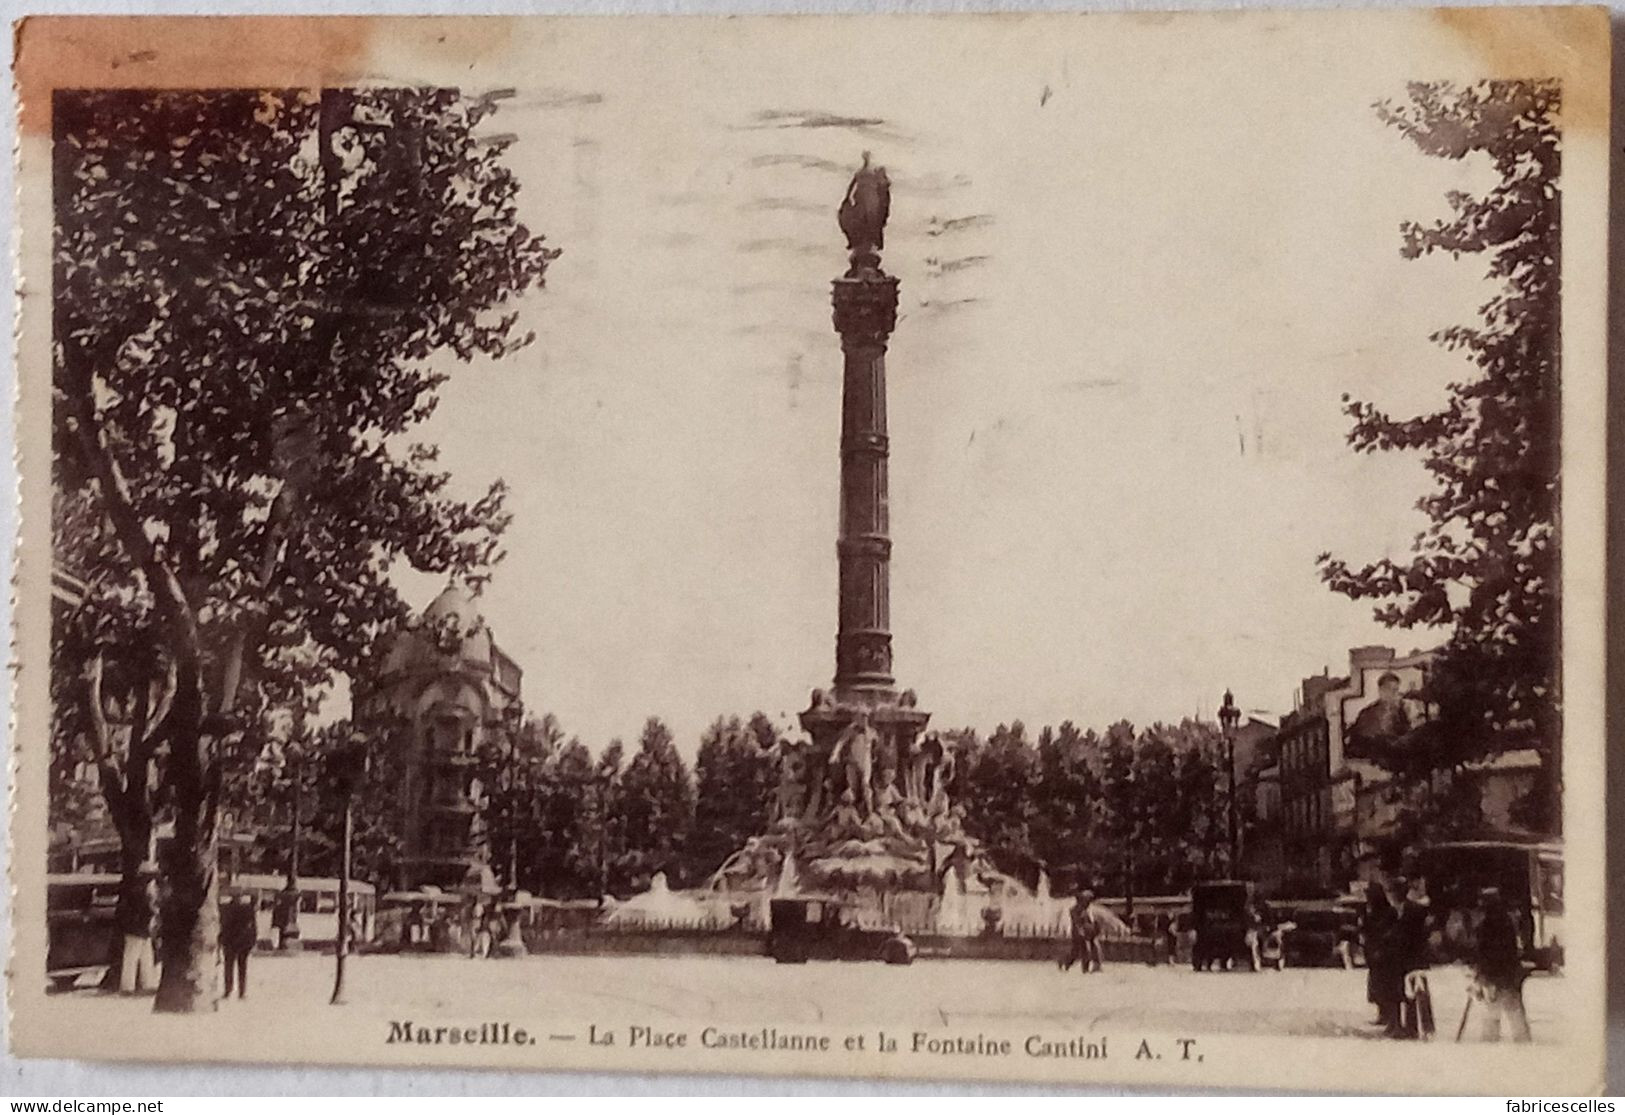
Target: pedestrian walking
{"x":239,"y":933}
{"x":1385,"y":980}
{"x":1409,"y":958}
{"x":1097,"y":931}
{"x":285,"y":916}
{"x":496,"y":929}
{"x":358,"y":927}
{"x":1168,"y":933}
{"x":1498,"y":973}
{"x":137,"y":920}
{"x":1260,"y":920}
{"x":1348,"y":937}
{"x":1085,"y":935}
{"x":479,"y":945}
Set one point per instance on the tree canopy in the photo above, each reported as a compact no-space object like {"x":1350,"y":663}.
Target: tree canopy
{"x":735,"y":773}
{"x":251,"y":289}
{"x":1486,"y":566}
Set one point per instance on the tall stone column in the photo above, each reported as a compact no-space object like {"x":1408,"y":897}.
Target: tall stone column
{"x":865,"y":314}
{"x":863,"y":731}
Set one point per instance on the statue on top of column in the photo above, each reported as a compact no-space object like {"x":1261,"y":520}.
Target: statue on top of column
{"x":863,"y":217}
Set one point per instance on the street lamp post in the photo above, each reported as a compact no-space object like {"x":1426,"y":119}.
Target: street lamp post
{"x":289,"y":914}
{"x":283,"y":768}
{"x":512,"y":721}
{"x":348,"y":768}
{"x":1229,"y":718}
{"x":601,"y":783}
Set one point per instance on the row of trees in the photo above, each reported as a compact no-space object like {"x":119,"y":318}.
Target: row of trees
{"x":1144,"y":811}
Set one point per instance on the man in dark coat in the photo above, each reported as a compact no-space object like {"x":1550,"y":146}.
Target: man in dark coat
{"x":1498,"y":971}
{"x":1085,"y":935}
{"x":1409,"y":956}
{"x":239,"y":932}
{"x":1384,"y":985}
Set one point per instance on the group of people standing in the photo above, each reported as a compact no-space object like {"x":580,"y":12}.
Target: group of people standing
{"x":483,"y":930}
{"x":137,"y":923}
{"x":1396,"y":929}
{"x":1395,"y":933}
{"x":1088,"y":923}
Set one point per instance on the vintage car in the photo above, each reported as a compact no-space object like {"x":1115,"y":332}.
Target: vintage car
{"x":82,"y":936}
{"x":1325,"y":934}
{"x":1529,"y":878}
{"x":1219,"y":915}
{"x":828,"y":928}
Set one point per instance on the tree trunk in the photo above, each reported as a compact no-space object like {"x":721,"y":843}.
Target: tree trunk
{"x":191,"y":913}
{"x":191,"y":931}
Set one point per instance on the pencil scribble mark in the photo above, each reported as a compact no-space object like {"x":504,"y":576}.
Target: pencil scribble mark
{"x":806,"y":162}
{"x":942,"y":226}
{"x":781,"y":204}
{"x":935,"y":266}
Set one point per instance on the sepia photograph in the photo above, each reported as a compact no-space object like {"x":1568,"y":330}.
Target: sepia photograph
{"x":1061,"y":549}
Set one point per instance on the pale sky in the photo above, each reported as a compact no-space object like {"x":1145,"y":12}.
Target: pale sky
{"x":1140,"y":264}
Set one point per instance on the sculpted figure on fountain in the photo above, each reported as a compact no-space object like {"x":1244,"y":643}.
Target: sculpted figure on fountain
{"x":845,"y":822}
{"x":790,"y":799}
{"x":851,"y":759}
{"x":919,"y":762}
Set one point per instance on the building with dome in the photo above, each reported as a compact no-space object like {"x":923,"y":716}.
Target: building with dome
{"x":447,"y":691}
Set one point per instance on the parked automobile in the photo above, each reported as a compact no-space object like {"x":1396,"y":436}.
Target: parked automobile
{"x":81,"y":933}
{"x":1219,"y":914}
{"x":1529,"y":877}
{"x":828,"y":928}
{"x":1326,"y":934}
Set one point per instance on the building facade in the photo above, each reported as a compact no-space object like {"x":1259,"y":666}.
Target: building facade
{"x":1337,"y":800}
{"x":446,"y":694}
{"x":1311,"y":849}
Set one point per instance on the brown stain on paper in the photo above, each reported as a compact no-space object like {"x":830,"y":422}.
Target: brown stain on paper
{"x":201,"y":52}
{"x":1571,"y":44}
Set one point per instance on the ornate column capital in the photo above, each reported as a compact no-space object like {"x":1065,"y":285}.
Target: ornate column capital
{"x":865,"y":309}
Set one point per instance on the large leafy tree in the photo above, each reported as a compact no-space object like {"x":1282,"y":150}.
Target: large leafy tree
{"x":375,"y":807}
{"x":569,"y":847}
{"x":1486,"y":565}
{"x":655,"y":807}
{"x":1120,"y":820}
{"x":606,"y":819}
{"x":1066,"y":803}
{"x":1157,"y":807}
{"x":734,"y":776}
{"x":1199,"y":822}
{"x":998,"y":785}
{"x":249,"y":286}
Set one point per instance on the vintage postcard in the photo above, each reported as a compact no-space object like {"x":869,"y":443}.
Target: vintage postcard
{"x":1050,"y":548}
